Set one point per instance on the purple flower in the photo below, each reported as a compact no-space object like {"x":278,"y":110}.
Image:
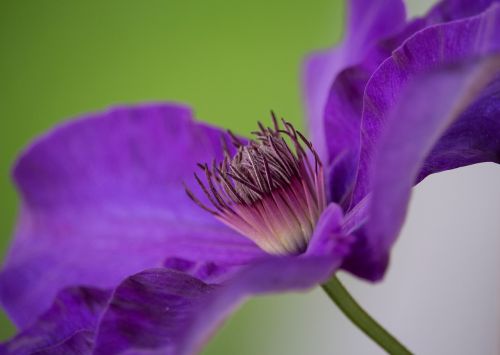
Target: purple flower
{"x":111,"y":256}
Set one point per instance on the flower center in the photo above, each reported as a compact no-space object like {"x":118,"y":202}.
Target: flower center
{"x":267,"y":191}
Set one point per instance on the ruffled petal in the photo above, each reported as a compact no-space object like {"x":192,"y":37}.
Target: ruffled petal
{"x":430,"y":48}
{"x":461,"y":128}
{"x":344,"y":106}
{"x":68,"y":327}
{"x":427,"y":49}
{"x":103,"y":198}
{"x":368,"y":21}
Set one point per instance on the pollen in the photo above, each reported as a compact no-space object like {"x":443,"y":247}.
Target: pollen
{"x":271,"y":190}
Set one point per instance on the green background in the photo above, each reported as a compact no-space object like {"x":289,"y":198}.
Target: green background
{"x":231,"y":61}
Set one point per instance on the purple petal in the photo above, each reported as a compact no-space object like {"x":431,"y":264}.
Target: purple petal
{"x":344,"y":106}
{"x":169,"y":312}
{"x":162,"y":311}
{"x":68,"y":327}
{"x":473,"y":138}
{"x":427,"y":49}
{"x":368,"y":21}
{"x":206,"y":271}
{"x":151,"y":312}
{"x":102,"y":198}
{"x":461,"y":128}
{"x":450,"y":10}
{"x":329,"y":237}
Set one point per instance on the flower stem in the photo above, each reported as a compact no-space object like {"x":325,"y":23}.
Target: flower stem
{"x":342,"y":298}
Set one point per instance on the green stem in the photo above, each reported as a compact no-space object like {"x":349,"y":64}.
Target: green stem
{"x":341,"y":297}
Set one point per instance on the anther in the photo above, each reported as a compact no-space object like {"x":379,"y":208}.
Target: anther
{"x":266,"y":191}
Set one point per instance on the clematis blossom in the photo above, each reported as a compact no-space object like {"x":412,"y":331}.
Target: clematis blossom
{"x":110,"y":255}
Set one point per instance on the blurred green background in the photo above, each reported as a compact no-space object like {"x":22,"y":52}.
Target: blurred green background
{"x":231,"y":61}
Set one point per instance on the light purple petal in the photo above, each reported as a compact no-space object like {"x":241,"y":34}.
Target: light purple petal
{"x":102,"y":198}
{"x":368,"y":21}
{"x":68,"y":327}
{"x":462,"y":127}
{"x":427,"y":49}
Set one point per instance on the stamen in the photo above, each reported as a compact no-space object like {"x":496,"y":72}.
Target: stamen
{"x":266,"y":191}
